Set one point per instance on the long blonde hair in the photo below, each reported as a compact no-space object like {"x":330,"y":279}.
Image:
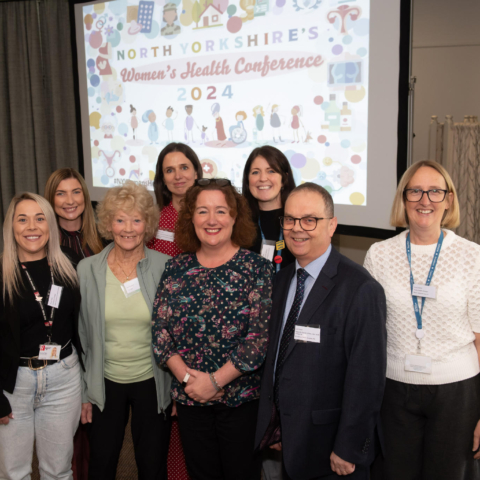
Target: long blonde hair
{"x":60,"y":264}
{"x":89,"y":230}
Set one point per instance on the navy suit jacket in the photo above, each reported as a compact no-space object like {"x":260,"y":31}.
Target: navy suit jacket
{"x":330,"y":393}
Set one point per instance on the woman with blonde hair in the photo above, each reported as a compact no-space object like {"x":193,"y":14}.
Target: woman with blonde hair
{"x":68,"y":195}
{"x":118,"y":287}
{"x":431,"y":278}
{"x":40,"y":389}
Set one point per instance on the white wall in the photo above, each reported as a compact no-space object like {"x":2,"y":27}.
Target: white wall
{"x":446,"y":62}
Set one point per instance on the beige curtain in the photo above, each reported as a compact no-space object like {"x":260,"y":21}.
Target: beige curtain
{"x":37,"y":107}
{"x":457,"y":147}
{"x":466,"y":176}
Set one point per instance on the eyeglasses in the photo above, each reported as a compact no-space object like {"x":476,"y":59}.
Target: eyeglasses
{"x":306,"y":223}
{"x":435,"y":195}
{"x":221,"y":182}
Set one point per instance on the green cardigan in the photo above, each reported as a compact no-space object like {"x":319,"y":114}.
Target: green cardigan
{"x":92,"y":273}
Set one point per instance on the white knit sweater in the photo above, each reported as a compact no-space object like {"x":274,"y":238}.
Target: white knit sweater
{"x":448,"y":321}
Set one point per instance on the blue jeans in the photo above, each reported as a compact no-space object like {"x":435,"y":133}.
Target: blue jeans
{"x":46,"y":405}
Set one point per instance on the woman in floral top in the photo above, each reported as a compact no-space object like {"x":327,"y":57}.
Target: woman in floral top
{"x":210,"y":320}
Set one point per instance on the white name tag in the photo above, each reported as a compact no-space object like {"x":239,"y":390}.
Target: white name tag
{"x":418,"y":364}
{"x":165,"y":235}
{"x":268,"y":249}
{"x":424,"y":291}
{"x":307,"y":334}
{"x":49,"y":352}
{"x":54,"y":297}
{"x":131,"y":287}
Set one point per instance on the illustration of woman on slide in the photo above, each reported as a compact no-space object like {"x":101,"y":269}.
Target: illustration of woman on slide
{"x":296,"y":122}
{"x":168,"y":123}
{"x":218,"y":122}
{"x":149,"y":116}
{"x":133,"y":120}
{"x":276,"y":123}
{"x":258,"y":114}
{"x":238,"y":134}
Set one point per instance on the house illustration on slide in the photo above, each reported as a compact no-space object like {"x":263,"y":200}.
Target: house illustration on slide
{"x":211,"y":17}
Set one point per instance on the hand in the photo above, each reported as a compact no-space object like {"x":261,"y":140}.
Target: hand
{"x":199,"y":387}
{"x":476,"y":441}
{"x":86,"y":413}
{"x":277,"y":446}
{"x":339,"y":466}
{"x":6,"y":420}
{"x":174,"y":408}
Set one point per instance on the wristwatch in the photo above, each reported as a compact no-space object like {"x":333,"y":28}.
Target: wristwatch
{"x":185,"y":380}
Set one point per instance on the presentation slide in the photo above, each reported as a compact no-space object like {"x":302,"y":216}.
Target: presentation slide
{"x":318,"y":79}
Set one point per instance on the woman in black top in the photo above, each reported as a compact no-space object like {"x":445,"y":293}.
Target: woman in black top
{"x":267,"y":182}
{"x":40,"y":398}
{"x":68,"y":195}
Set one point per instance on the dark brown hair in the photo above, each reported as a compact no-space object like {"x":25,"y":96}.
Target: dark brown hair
{"x":279,"y":162}
{"x":327,"y":198}
{"x":244,"y":230}
{"x":162,"y":193}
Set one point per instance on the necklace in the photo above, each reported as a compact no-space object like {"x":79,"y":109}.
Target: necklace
{"x":128,"y":276}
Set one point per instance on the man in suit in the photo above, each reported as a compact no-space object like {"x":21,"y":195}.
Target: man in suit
{"x":324,"y":375}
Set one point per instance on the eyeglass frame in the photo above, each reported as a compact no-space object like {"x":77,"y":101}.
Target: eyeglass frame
{"x":300,"y":222}
{"x":209,"y":181}
{"x":425,"y":192}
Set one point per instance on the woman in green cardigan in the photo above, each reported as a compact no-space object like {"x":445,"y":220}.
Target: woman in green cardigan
{"x":118,"y":287}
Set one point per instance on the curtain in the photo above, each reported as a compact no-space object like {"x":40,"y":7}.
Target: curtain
{"x":38,"y":131}
{"x":457,"y":147}
{"x":466,"y":177}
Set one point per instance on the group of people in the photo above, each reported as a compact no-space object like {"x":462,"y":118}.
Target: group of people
{"x":234,"y":313}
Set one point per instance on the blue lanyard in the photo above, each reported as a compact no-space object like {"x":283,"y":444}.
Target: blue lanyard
{"x":418,"y":312}
{"x":279,"y":252}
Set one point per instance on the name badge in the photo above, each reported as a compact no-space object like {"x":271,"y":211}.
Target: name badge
{"x":49,"y":352}
{"x":131,"y":287}
{"x":307,"y":334}
{"x":268,"y":249}
{"x":424,"y":291}
{"x":54,"y":297}
{"x":418,"y":364}
{"x":165,"y":235}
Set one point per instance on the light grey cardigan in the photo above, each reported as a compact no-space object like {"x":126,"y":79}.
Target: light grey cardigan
{"x":92,"y":273}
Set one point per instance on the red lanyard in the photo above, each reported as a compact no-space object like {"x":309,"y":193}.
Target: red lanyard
{"x":48,"y":323}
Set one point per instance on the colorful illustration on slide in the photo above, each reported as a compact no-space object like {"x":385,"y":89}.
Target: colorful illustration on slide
{"x":226,"y":76}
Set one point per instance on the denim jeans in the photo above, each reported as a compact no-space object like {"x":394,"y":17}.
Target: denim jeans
{"x":46,"y":405}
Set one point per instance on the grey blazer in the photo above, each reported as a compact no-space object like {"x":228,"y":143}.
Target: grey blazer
{"x":92,"y":273}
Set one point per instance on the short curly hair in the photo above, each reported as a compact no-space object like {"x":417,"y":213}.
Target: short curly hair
{"x":244,"y":231}
{"x":128,"y":197}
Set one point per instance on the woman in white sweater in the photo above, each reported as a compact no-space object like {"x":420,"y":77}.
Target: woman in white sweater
{"x":431,"y":278}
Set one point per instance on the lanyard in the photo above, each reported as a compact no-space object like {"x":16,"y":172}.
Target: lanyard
{"x":279,"y":252}
{"x":48,"y":323}
{"x":418,"y":312}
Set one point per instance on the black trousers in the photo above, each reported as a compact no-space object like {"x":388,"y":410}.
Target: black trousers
{"x":218,"y":441}
{"x":429,"y":431}
{"x":360,"y":473}
{"x":150,"y":431}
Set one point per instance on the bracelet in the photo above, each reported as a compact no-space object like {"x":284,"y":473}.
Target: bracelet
{"x":214,"y":382}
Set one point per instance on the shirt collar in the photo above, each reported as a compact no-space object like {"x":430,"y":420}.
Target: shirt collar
{"x":314,"y":268}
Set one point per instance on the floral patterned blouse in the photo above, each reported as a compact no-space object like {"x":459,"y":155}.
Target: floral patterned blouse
{"x":212,"y":315}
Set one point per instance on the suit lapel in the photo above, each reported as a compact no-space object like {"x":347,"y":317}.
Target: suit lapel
{"x":281,"y":289}
{"x":318,"y":294}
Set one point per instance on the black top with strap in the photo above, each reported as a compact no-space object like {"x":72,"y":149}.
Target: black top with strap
{"x":18,"y":331}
